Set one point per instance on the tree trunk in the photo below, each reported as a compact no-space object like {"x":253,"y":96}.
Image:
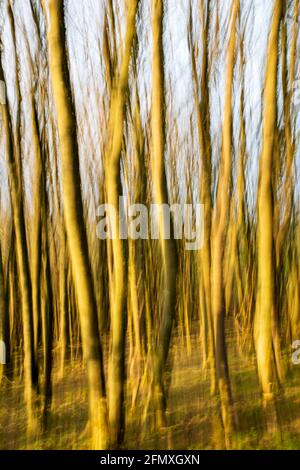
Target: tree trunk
{"x":15,"y":183}
{"x":160,"y":195}
{"x":221,"y":215}
{"x":266,"y":256}
{"x":119,"y":262}
{"x":75,"y":229}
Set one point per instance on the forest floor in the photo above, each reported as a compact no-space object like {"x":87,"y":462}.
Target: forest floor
{"x":192,"y":414}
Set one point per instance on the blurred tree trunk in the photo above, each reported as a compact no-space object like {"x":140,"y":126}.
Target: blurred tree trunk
{"x":75,"y":229}
{"x":64,"y":337}
{"x":160,"y":195}
{"x":4,"y":323}
{"x":202,"y":104}
{"x":47,"y":310}
{"x":266,"y":254}
{"x":36,"y":254}
{"x":16,"y":191}
{"x":220,"y":223}
{"x":118,"y":246}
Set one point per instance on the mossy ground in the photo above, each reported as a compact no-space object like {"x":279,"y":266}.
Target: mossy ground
{"x":192,"y":414}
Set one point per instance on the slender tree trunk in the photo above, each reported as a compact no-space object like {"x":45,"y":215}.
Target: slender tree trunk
{"x":266,"y":256}
{"x":119,"y":262}
{"x":37,"y":231}
{"x":203,"y":126}
{"x":160,"y":195}
{"x":4,"y":324}
{"x":64,"y":337}
{"x":47,"y":324}
{"x":75,"y":229}
{"x":15,"y":182}
{"x":221,"y":215}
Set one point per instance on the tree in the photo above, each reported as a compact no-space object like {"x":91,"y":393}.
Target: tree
{"x":75,"y":230}
{"x":114,"y":191}
{"x":265,"y":244}
{"x":160,"y":196}
{"x":221,"y":214}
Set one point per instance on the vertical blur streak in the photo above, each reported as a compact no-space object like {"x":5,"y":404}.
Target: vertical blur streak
{"x":220,"y":220}
{"x":160,"y":194}
{"x":76,"y":233}
{"x":265,"y":309}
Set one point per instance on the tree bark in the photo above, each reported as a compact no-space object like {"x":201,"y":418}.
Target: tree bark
{"x":75,"y":229}
{"x":266,"y":256}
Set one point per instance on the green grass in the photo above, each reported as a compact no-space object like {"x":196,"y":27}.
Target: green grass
{"x":192,"y":415}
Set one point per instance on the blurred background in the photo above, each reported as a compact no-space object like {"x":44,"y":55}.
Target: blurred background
{"x":142,"y":344}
